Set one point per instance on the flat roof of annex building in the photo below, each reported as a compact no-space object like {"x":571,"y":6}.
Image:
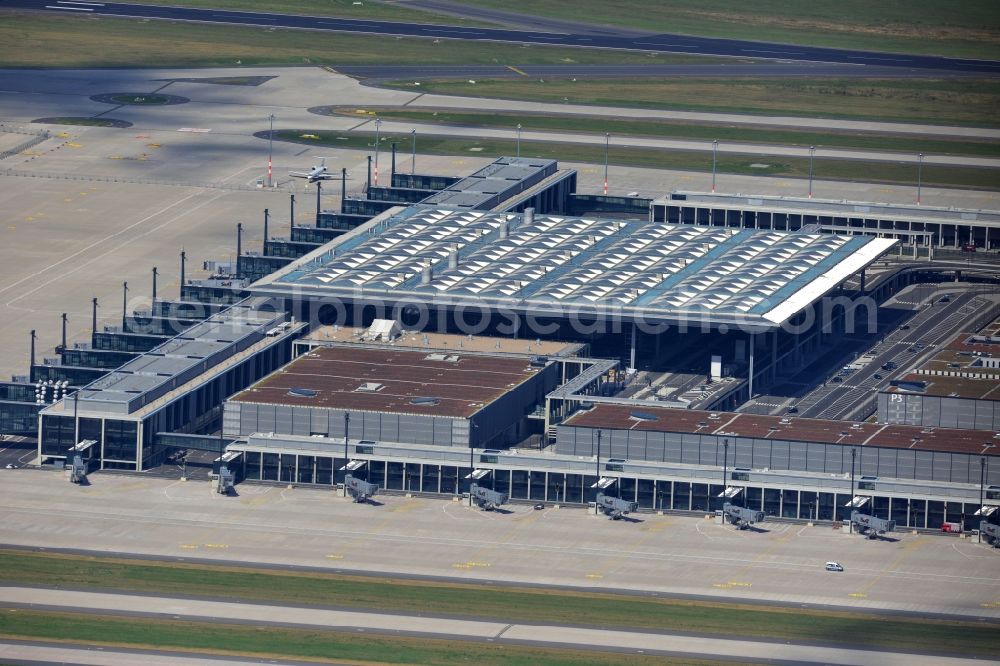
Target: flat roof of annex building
{"x":951,"y":372}
{"x":560,"y":266}
{"x":493,"y":184}
{"x":443,"y":384}
{"x":832,"y":208}
{"x":194,"y":352}
{"x":450,"y":342}
{"x":721,"y":424}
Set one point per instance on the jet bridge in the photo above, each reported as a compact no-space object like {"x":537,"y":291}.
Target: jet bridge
{"x":741,"y":517}
{"x":77,"y":471}
{"x":360,"y":490}
{"x":870,"y":526}
{"x":990,"y":533}
{"x":615,"y":508}
{"x":487,"y":499}
{"x":225,"y":481}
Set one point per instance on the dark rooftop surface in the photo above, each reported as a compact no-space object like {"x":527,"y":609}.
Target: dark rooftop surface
{"x":619,"y":417}
{"x":462,"y":386}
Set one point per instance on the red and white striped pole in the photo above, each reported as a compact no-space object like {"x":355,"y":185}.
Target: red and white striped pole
{"x":378,"y":126}
{"x":607,"y":141}
{"x":270,"y":151}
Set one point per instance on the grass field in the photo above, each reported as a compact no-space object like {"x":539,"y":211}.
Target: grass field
{"x":33,"y":40}
{"x":370,"y":9}
{"x":684,"y":130}
{"x":823,"y":169}
{"x":523,"y":605}
{"x":970,"y":28}
{"x":953,"y":102}
{"x":272,"y":642}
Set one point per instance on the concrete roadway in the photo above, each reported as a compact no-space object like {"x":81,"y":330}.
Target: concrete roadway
{"x":451,"y":628}
{"x":737,"y":148}
{"x":930,"y":325}
{"x":658,"y":43}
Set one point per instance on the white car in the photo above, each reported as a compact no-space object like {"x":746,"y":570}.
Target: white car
{"x":11,"y":467}
{"x":834,"y":566}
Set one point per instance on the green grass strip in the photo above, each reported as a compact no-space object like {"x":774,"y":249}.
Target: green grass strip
{"x":272,"y":642}
{"x":965,"y":29}
{"x":685,"y":130}
{"x":955,"y":101}
{"x":508,"y":604}
{"x":657,"y":158}
{"x":32,"y":40}
{"x":86,"y":122}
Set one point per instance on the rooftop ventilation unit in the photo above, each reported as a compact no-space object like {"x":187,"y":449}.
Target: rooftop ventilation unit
{"x":370,"y":387}
{"x":425,"y":402}
{"x":643,"y":416}
{"x":302,"y":393}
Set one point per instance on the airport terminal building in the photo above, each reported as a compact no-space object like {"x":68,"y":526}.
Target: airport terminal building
{"x":494,"y":332}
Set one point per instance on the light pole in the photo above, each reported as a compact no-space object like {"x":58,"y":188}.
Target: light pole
{"x":920,"y":170}
{"x":124,"y":303}
{"x":413,"y":158}
{"x":599,"y":434}
{"x":812,"y":152}
{"x":347,"y":425}
{"x":725,"y":467}
{"x":519,"y":139}
{"x":982,"y":488}
{"x":472,"y":469}
{"x":715,"y":154}
{"x":854,"y":453}
{"x":270,"y":142}
{"x":378,"y":126}
{"x":607,"y":144}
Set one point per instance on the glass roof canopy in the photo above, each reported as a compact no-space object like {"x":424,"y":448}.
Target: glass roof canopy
{"x":559,"y":265}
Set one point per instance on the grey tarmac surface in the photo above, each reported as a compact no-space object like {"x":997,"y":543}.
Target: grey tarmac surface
{"x":672,"y":554}
{"x":39,"y":653}
{"x":588,"y":638}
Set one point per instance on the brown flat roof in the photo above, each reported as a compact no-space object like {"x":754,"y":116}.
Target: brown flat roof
{"x":956,"y":357}
{"x":619,"y":417}
{"x":462,"y":386}
{"x":956,"y":387}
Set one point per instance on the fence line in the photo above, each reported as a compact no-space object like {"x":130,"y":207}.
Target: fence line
{"x":7,"y":129}
{"x":24,"y":145}
{"x":130,"y":180}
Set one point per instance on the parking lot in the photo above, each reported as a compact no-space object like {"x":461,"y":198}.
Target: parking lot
{"x":781,"y":562}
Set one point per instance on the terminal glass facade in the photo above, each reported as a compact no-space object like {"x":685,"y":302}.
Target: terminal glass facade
{"x":569,"y":488}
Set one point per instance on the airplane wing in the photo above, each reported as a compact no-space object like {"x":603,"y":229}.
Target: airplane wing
{"x":298,"y":174}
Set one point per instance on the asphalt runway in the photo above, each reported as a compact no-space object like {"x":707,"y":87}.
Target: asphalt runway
{"x":657,"y":43}
{"x":373,"y":74}
{"x":40,"y":653}
{"x":453,"y":628}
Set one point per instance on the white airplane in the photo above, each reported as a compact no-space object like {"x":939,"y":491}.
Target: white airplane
{"x":318,"y":172}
